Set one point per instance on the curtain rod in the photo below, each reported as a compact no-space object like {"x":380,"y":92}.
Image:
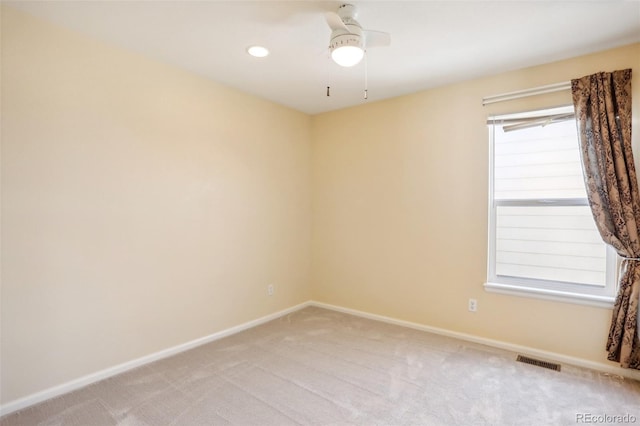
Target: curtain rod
{"x":550,"y":88}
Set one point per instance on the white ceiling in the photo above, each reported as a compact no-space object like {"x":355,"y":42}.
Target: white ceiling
{"x":432,"y":42}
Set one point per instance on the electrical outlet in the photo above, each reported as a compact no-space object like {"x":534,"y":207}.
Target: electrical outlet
{"x":473,"y":305}
{"x":270,"y":290}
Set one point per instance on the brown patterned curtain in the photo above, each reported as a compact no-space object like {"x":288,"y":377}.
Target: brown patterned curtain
{"x":603,"y":109}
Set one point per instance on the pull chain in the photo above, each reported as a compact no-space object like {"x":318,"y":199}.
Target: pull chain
{"x":366,"y":77}
{"x":329,"y":74}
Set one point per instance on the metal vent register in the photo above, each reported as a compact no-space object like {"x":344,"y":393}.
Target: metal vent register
{"x":538,"y":363}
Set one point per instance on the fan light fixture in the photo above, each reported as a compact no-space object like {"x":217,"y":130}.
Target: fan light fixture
{"x":349,"y":42}
{"x":346,"y":50}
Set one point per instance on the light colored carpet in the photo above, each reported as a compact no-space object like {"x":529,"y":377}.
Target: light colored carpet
{"x":320,"y":367}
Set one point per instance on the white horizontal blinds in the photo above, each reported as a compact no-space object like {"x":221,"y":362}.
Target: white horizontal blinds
{"x":535,"y":239}
{"x":538,"y":162}
{"x":556,"y":243}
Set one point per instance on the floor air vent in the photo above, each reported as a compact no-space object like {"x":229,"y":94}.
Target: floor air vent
{"x":538,"y":363}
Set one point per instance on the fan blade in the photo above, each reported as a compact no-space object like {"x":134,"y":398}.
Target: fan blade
{"x":335,"y":22}
{"x":376,"y":38}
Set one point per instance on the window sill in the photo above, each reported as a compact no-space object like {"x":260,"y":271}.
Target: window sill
{"x":558,"y":296}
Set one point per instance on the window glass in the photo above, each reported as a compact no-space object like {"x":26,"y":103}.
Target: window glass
{"x":542,"y":235}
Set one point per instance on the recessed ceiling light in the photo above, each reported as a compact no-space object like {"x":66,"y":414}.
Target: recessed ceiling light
{"x":258,"y":51}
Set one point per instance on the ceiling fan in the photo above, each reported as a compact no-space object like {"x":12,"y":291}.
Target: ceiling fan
{"x":349,"y":40}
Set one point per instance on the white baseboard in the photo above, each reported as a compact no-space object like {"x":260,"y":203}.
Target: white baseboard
{"x":525,"y":350}
{"x":41,"y":396}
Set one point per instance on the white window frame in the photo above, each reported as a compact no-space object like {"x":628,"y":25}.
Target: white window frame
{"x":543,"y":289}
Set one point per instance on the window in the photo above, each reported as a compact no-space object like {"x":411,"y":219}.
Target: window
{"x":542,"y":237}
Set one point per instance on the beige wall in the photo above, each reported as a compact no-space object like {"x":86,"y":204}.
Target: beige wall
{"x":142,"y":206}
{"x":400,"y":210}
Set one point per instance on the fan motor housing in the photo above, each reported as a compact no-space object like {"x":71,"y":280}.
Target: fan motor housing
{"x":341,"y":40}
